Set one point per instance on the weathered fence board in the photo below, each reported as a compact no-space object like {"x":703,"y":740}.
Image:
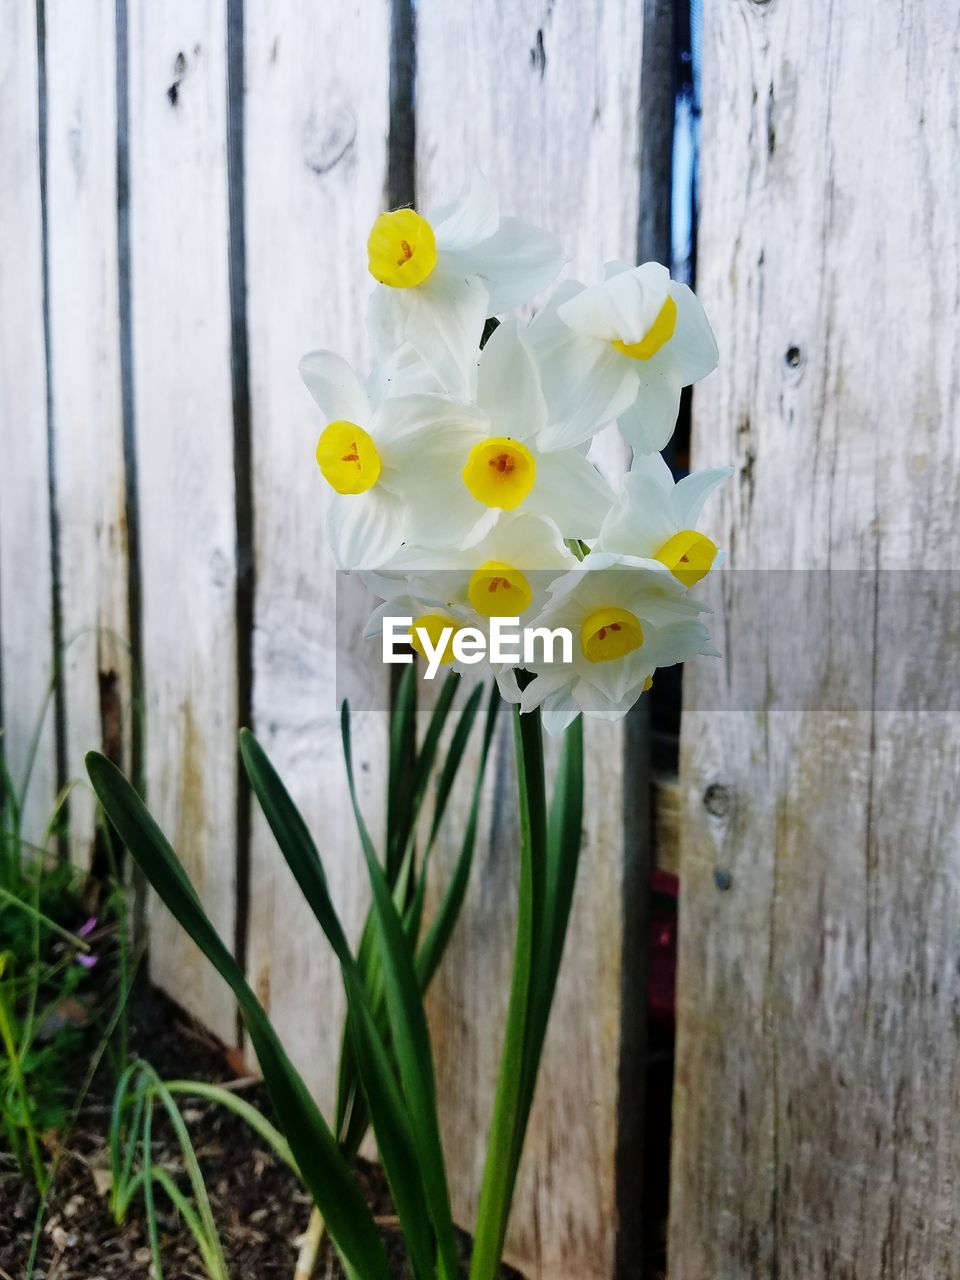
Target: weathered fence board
{"x":81,"y":121}
{"x":817,"y":1081}
{"x":316,"y":165}
{"x":554,"y":121}
{"x":185,"y":454}
{"x":26,"y":595}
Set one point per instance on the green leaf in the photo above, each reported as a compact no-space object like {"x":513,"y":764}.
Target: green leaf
{"x":562,"y":857}
{"x":229,"y":1100}
{"x":390,"y":1118}
{"x":324,"y":1170}
{"x":403,"y":748}
{"x":431,"y":739}
{"x":434,"y":945}
{"x":499,"y":1173}
{"x":411,"y":1039}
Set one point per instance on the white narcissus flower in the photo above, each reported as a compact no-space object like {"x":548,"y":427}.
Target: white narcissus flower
{"x":504,"y":575}
{"x":434,"y":617}
{"x":627,"y":617}
{"x":442,"y":275}
{"x":463,"y":483}
{"x":656,"y":517}
{"x":363,"y":451}
{"x":620,"y":349}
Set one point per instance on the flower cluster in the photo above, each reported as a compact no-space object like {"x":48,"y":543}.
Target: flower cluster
{"x":462,"y":486}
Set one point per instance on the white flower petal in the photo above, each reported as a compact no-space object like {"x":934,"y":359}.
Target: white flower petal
{"x":615,"y":268}
{"x":613,"y":687}
{"x":692,"y":492}
{"x":508,"y":385}
{"x":472,"y":217}
{"x":400,"y":606}
{"x":654,"y":467}
{"x":442,"y":513}
{"x":411,"y":422}
{"x":515,"y":264}
{"x":335,"y":387}
{"x":693,"y":347}
{"x":642,"y":518}
{"x":679,"y":641}
{"x":527,"y":542}
{"x":364,"y":529}
{"x":570,"y":490}
{"x":549,"y":680}
{"x":506,"y":679}
{"x":649,"y":422}
{"x":586,"y":385}
{"x":443,"y":322}
{"x":558,"y":711}
{"x":623,"y":307}
{"x":401,"y":372}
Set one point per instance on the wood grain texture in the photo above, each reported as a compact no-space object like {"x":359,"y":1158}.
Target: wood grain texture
{"x":184,"y":435}
{"x":817,"y":1079}
{"x":316,"y":163}
{"x":545,"y":98}
{"x":26,"y":593}
{"x":85,"y":387}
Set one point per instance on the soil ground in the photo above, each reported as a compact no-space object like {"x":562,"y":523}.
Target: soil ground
{"x":260,"y":1207}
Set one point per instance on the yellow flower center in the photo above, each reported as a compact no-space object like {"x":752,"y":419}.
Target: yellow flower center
{"x":647,"y":685}
{"x":688,"y":555}
{"x":657,"y":336}
{"x":499,"y":591}
{"x":500,"y":472}
{"x":434,"y":624}
{"x":348,"y":458}
{"x":402,"y":249}
{"x":610,"y":633}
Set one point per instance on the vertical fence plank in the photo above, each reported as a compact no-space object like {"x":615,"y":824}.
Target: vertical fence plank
{"x":85,"y":387}
{"x":316,"y":163}
{"x":817,"y":1072}
{"x":26,"y":621}
{"x":184,"y":435}
{"x":554,"y":121}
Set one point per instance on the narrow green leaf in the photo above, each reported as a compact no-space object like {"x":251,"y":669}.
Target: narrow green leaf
{"x":499,"y":1174}
{"x":230,"y":1101}
{"x":438,"y":935}
{"x":152,"y":1231}
{"x":324,"y":1169}
{"x":403,"y":747}
{"x":564,"y":836}
{"x":431,"y":739}
{"x":411,"y":1038}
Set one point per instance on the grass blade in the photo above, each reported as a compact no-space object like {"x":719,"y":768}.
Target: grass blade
{"x":227,"y":1099}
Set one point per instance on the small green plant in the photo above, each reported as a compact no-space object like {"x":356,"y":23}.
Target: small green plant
{"x":46,"y":1022}
{"x":133,"y":1169}
{"x":139,"y":1095}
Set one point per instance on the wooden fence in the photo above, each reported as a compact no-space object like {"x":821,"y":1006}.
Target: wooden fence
{"x":185,"y":192}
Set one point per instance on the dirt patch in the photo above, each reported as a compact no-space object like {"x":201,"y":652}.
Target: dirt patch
{"x":260,"y":1208}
